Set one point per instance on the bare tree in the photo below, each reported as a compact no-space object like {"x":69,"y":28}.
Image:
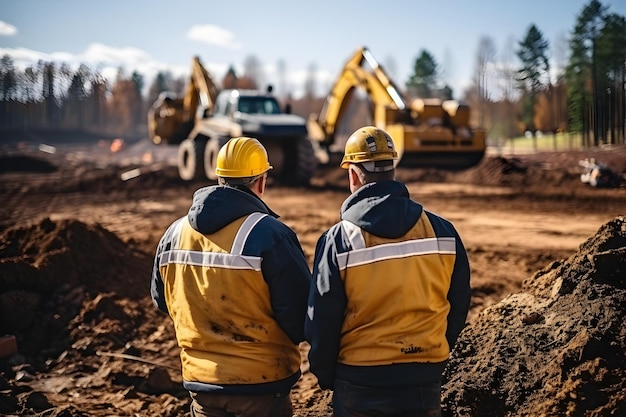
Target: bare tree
{"x":559,"y":59}
{"x":8,"y":89}
{"x":391,"y":67}
{"x":124,"y":100}
{"x":48,"y":70}
{"x":447,"y":69}
{"x":253,"y":70}
{"x":485,"y":59}
{"x":31,"y":96}
{"x":507,"y":88}
{"x":98,"y":99}
{"x":75,"y":102}
{"x":31,"y":82}
{"x":311,"y":83}
{"x":282,"y":78}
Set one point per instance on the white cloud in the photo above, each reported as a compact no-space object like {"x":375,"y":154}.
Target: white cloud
{"x":97,"y":52}
{"x":213,"y":35}
{"x":22,"y":57}
{"x":7,"y":29}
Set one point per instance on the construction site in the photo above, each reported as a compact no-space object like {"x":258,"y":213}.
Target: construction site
{"x":108,"y":138}
{"x":80,"y":221}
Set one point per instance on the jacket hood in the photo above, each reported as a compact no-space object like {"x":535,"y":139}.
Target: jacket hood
{"x":383,"y":208}
{"x":214,"y":207}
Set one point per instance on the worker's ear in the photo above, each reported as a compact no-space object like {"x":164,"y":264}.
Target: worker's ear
{"x":260,"y":184}
{"x":355,"y":180}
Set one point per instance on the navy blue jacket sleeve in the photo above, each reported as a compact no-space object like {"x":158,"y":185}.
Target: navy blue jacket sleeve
{"x":459,"y":293}
{"x":327,"y":303}
{"x":288,"y":276}
{"x":156,"y":284}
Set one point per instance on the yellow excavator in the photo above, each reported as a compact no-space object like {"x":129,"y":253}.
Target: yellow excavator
{"x":204,"y":119}
{"x":427,"y":132}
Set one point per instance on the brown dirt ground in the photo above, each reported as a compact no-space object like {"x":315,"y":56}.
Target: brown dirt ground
{"x":545,"y":334}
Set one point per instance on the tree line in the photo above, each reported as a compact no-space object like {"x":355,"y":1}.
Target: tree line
{"x":585,"y":93}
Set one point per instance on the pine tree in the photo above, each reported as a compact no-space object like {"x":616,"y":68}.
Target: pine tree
{"x":423,"y":82}
{"x":534,"y":73}
{"x":582,"y":72}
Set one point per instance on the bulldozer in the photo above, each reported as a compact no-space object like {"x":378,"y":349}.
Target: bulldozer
{"x":204,"y":119}
{"x":427,"y":132}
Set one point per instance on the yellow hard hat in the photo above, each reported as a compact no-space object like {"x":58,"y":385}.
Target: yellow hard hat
{"x":242,"y":157}
{"x":370,"y":144}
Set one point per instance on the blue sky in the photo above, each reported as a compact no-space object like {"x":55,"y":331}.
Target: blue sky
{"x":153,"y":35}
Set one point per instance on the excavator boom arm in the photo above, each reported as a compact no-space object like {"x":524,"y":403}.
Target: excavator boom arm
{"x":171,"y":117}
{"x":355,"y":75}
{"x":201,"y":90}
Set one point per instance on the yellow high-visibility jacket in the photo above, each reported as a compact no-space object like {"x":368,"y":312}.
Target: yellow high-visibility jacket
{"x":235,"y":282}
{"x":391,"y":292}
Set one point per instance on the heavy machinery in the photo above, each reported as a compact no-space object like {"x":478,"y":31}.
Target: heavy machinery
{"x":204,"y":119}
{"x":428,"y":132}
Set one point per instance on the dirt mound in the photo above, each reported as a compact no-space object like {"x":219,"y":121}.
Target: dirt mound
{"x":555,"y":348}
{"x":535,"y":172}
{"x":75,"y":297}
{"x":49,"y":254}
{"x":513,"y":172}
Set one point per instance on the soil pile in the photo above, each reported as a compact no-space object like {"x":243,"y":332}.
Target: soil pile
{"x":74,"y":296}
{"x":547,"y":170}
{"x":555,"y":348}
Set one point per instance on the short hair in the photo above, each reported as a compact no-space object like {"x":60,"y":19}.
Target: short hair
{"x":367,"y":177}
{"x":247,"y":181}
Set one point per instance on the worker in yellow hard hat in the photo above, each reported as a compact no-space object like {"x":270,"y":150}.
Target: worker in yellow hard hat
{"x":390,"y":292}
{"x":235,"y":281}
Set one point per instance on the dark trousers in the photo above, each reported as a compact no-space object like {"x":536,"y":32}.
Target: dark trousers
{"x":219,"y":405}
{"x":351,"y":400}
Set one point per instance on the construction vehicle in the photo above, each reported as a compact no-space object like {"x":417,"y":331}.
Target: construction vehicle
{"x":204,"y":119}
{"x":427,"y":132}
